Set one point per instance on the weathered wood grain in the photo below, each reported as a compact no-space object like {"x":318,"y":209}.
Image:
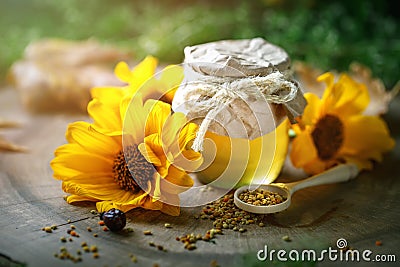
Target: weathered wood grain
{"x":361,"y":211}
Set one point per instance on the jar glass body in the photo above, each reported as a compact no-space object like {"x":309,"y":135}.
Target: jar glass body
{"x":234,"y":162}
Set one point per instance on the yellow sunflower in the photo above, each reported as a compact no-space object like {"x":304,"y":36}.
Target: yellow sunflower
{"x":132,"y":155}
{"x":333,"y":129}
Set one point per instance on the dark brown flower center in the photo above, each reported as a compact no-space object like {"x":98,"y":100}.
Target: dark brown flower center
{"x":131,"y":170}
{"x":328,"y":136}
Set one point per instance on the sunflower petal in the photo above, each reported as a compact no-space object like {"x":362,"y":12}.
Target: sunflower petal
{"x":170,"y":210}
{"x":75,"y":198}
{"x":156,"y":190}
{"x":138,"y":200}
{"x":110,"y":95}
{"x":187,"y":135}
{"x":172,"y":76}
{"x":312,"y":111}
{"x":150,"y":204}
{"x":328,"y":78}
{"x":157,"y":114}
{"x":106,"y":117}
{"x":317,"y":166}
{"x":303,"y":150}
{"x":123,"y":72}
{"x":154,"y":144}
{"x":106,"y":191}
{"x":354,"y":97}
{"x":366,"y":143}
{"x":91,"y":178}
{"x":71,"y":161}
{"x":135,"y":118}
{"x":176,"y":182}
{"x":103,"y":206}
{"x":149,"y":154}
{"x":171,"y":205}
{"x":188,"y":160}
{"x":93,"y":141}
{"x":171,"y":130}
{"x":142,"y":72}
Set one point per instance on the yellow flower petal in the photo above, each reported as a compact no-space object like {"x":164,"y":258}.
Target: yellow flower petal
{"x":123,"y":72}
{"x":354,"y":97}
{"x":155,"y":150}
{"x":345,"y":97}
{"x":103,"y":206}
{"x":158,"y":113}
{"x":139,"y":200}
{"x":303,"y":150}
{"x":188,"y":160}
{"x":106,"y":118}
{"x":71,"y":161}
{"x":328,"y":78}
{"x":154,"y":145}
{"x":135,"y":118}
{"x":171,"y":130}
{"x":184,"y":157}
{"x":317,"y":166}
{"x":171,"y":209}
{"x":176,"y":182}
{"x":366,"y":143}
{"x":187,"y":135}
{"x":149,"y":154}
{"x":109,"y":95}
{"x":150,"y":204}
{"x":91,"y":178}
{"x":104,"y":109}
{"x":75,"y":198}
{"x":107,"y":192}
{"x":156,"y":188}
{"x":142,"y":72}
{"x":93,"y":141}
{"x":171,"y":79}
{"x":312,"y":111}
{"x":172,"y":76}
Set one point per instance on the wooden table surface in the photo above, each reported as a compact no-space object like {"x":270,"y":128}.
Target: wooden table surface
{"x":362,"y":211}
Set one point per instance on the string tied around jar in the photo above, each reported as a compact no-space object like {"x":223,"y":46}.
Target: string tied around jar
{"x":274,"y":88}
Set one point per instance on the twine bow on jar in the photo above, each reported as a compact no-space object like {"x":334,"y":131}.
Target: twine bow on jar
{"x":249,"y":76}
{"x":274,"y":88}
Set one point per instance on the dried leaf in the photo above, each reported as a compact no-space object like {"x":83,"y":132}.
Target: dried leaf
{"x":10,"y":147}
{"x":6,"y":145}
{"x":8,"y":124}
{"x":380,"y":97}
{"x":307,"y":76}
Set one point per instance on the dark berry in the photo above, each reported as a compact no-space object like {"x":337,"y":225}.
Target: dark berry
{"x":114,"y":219}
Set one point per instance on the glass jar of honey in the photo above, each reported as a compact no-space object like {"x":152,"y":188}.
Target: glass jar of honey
{"x":242,"y":96}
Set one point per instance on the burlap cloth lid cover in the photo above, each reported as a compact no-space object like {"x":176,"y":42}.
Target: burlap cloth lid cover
{"x":237,"y":88}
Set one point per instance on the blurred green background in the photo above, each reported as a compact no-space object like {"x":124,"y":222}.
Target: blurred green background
{"x":326,"y":34}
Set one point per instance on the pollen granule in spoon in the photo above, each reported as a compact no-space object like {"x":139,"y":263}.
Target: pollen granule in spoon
{"x":261,"y":197}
